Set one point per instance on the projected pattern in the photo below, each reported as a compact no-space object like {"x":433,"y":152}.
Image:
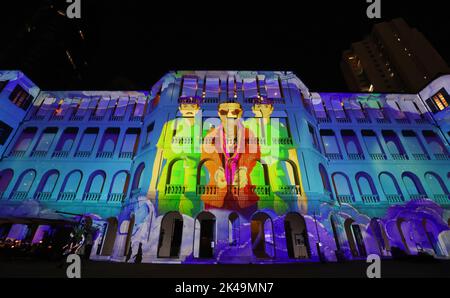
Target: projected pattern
{"x":234,"y":167}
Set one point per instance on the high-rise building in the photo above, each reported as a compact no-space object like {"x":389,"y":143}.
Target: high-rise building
{"x":393,"y":58}
{"x":227,"y":166}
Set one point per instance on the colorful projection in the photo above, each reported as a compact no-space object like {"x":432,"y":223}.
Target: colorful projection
{"x":228,"y":162}
{"x":230,"y":167}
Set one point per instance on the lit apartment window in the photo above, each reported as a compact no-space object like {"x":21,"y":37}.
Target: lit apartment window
{"x":21,"y":98}
{"x":439,"y":101}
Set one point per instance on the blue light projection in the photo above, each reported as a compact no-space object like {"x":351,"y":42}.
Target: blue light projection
{"x":229,"y":167}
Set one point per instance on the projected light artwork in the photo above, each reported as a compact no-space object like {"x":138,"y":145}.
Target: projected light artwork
{"x":229,"y":167}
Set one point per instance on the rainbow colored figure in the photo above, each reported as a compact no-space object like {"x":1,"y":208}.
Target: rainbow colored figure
{"x":227,"y":167}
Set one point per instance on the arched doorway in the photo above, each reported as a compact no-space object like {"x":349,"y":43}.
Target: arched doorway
{"x":129,"y":234}
{"x":263,"y":245}
{"x":355,"y":238}
{"x":402,"y":226}
{"x":109,"y":237}
{"x":433,"y":241}
{"x":170,"y":235}
{"x":379,"y":233}
{"x":205,"y":234}
{"x":233,"y":229}
{"x":333,"y":223}
{"x":297,"y":241}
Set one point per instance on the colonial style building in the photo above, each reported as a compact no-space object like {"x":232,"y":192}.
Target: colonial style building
{"x":229,"y":167}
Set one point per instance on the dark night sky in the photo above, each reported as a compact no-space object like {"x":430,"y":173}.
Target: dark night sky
{"x":131,"y":45}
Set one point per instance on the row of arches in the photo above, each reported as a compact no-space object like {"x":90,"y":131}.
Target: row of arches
{"x":427,"y":142}
{"x":262,"y":235}
{"x":67,"y":139}
{"x":267,"y":236}
{"x":71,"y":183}
{"x":205,"y":238}
{"x":389,"y":185}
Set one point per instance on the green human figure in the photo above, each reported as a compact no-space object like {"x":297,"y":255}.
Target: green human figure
{"x":179,"y":151}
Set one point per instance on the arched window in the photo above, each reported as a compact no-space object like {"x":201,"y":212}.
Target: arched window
{"x":436,"y":184}
{"x":372,"y":142}
{"x":175,"y":174}
{"x":72,"y":182}
{"x":389,"y":185}
{"x":342,"y":187}
{"x":46,"y":139}
{"x":413,"y":142}
{"x":120,"y":183}
{"x":330,"y":142}
{"x":393,"y":143}
{"x":137,"y":179}
{"x":131,"y":141}
{"x":25,"y":139}
{"x":351,"y":143}
{"x":351,"y":147}
{"x":88,"y":140}
{"x":365,"y":184}
{"x":204,"y":177}
{"x":286,"y":175}
{"x":109,"y":141}
{"x":67,"y":140}
{"x":325,"y":180}
{"x":413,"y":186}
{"x":48,"y":182}
{"x":26,"y":181}
{"x":435,"y":144}
{"x":5,"y":178}
{"x":109,"y":146}
{"x":96,"y":182}
{"x":259,"y":174}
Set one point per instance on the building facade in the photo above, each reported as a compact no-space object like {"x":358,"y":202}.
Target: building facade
{"x":228,"y":167}
{"x":393,"y":58}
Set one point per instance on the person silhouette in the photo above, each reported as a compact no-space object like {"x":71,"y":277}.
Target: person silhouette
{"x":138,"y":256}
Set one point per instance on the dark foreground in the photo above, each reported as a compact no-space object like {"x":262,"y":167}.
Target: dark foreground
{"x":389,"y":269}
